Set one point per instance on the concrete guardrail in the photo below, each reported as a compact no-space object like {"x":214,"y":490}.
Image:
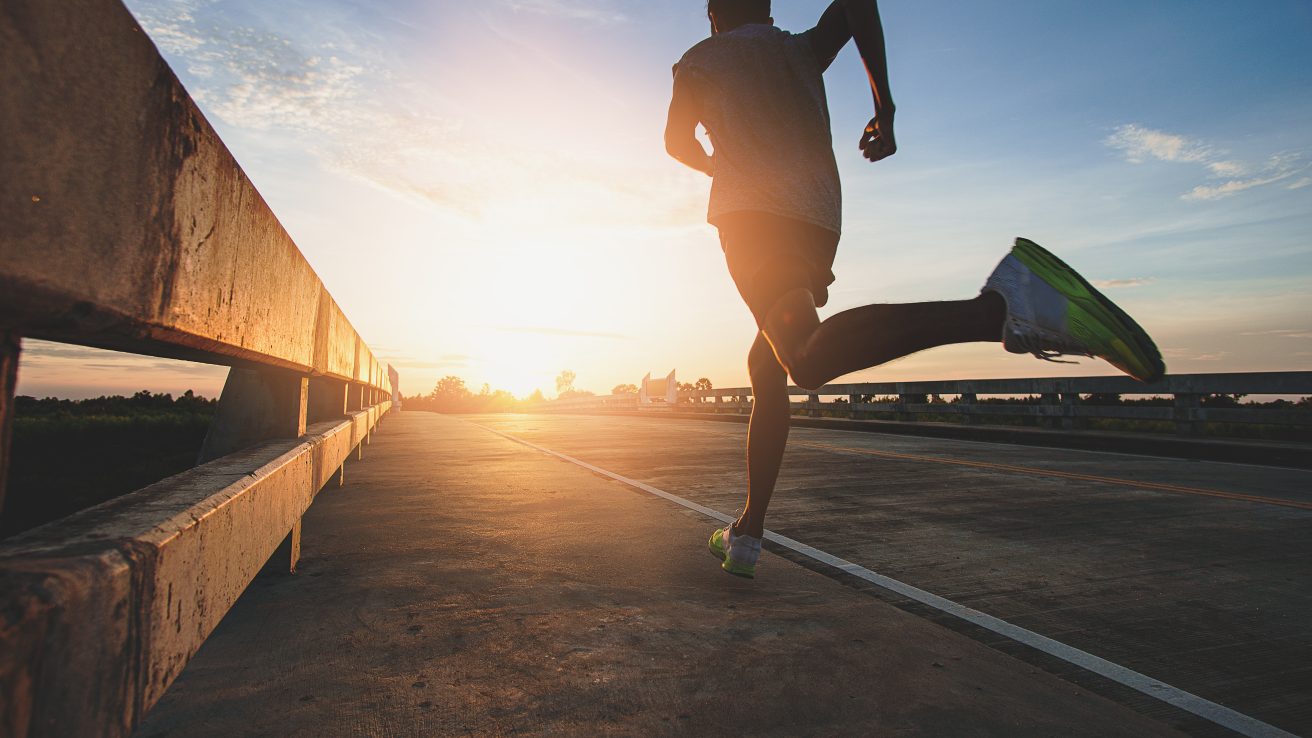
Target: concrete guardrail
{"x":1059,"y":400}
{"x":126,"y":224}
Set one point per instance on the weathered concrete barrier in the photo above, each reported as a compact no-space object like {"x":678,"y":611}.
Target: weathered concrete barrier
{"x":102,"y":610}
{"x":125,"y":223}
{"x":129,"y":225}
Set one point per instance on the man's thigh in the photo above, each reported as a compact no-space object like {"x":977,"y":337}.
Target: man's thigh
{"x":770,"y":256}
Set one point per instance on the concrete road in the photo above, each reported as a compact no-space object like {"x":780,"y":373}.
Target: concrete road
{"x":463,"y":583}
{"x":1196,"y":574}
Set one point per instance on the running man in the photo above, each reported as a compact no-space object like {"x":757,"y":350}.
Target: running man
{"x":776,"y":201}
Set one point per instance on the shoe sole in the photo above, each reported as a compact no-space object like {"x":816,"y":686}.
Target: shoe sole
{"x":723,"y":558}
{"x":724,"y":564}
{"x":740,"y":574}
{"x":1135,"y":352}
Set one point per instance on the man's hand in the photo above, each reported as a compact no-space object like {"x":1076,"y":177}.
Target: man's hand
{"x":859,"y":20}
{"x":878,"y":142}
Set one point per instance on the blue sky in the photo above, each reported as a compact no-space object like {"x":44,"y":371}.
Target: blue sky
{"x":506,"y":156}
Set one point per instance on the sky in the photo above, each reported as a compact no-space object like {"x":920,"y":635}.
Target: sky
{"x":505,"y":157}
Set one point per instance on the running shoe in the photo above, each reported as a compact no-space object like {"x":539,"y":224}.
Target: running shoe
{"x":738,"y":553}
{"x":1052,"y":312}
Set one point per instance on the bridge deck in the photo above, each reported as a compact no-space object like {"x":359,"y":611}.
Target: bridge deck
{"x":465,"y":583}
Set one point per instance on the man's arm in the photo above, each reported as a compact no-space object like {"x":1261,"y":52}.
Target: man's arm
{"x":859,"y":19}
{"x":681,"y":128}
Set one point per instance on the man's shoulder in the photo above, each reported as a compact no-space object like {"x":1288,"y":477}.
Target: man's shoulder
{"x":711,"y":48}
{"x":700,"y":50}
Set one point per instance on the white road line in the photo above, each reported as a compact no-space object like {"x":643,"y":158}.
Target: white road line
{"x":1191,"y":703}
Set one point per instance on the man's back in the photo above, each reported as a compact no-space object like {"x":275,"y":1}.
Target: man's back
{"x":762,"y":100}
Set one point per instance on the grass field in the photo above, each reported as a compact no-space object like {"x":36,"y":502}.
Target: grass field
{"x":70,"y":455}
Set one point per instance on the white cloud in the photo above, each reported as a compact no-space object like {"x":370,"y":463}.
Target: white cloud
{"x":1184,"y":354}
{"x":1112,"y":284}
{"x":1227,"y":168}
{"x":1139,"y":144}
{"x":1282,"y":332}
{"x":572,"y":9}
{"x":363,"y":115}
{"x":1234,"y":186}
{"x":251,"y":78}
{"x":1300,"y":184}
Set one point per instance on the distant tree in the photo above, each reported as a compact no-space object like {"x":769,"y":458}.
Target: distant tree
{"x":499,"y":401}
{"x":700,"y":384}
{"x":449,"y":387}
{"x":143,"y":404}
{"x":625,"y":389}
{"x":685,"y":387}
{"x":536,"y":397}
{"x":450,"y":395}
{"x":1222,"y":400}
{"x":565,"y":382}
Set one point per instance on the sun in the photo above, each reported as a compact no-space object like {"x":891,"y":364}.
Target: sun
{"x":518,"y":361}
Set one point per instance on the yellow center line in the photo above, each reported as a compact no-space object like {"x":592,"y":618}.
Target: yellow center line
{"x":1154,"y":486}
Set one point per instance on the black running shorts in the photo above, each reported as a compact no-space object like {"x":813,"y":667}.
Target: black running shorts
{"x":770,"y":255}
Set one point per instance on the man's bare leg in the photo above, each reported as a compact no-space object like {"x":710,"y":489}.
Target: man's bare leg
{"x":816,"y":353}
{"x":767,"y":434}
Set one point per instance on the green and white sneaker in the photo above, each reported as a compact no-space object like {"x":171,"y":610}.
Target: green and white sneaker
{"x":738,"y":553}
{"x":1052,"y":311}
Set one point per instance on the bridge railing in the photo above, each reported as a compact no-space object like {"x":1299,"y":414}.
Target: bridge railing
{"x":127,"y":225}
{"x":1060,"y":402}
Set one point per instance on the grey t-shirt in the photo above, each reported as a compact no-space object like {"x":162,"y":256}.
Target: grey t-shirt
{"x":763,"y":103}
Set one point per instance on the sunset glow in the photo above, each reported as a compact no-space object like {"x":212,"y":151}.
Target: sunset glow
{"x":505,"y":159}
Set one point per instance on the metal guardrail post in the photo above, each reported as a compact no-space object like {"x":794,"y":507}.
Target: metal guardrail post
{"x":10,"y":347}
{"x":260,"y":405}
{"x":1188,"y":407}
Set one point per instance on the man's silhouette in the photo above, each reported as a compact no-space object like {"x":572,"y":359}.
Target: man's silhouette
{"x":777,"y":203}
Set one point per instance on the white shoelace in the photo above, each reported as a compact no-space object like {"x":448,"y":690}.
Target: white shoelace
{"x":1043,"y":344}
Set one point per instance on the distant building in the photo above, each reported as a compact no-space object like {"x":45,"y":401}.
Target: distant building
{"x":659,"y":391}
{"x":394,"y":378}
